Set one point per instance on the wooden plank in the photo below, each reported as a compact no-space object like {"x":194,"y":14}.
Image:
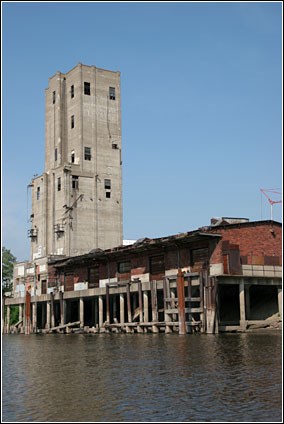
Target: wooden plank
{"x":60,"y":327}
{"x":187,"y":299}
{"x":187,"y":310}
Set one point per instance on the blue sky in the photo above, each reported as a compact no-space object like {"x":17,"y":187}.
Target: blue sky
{"x":201,"y":106}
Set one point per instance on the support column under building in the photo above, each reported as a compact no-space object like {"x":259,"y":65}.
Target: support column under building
{"x":81,"y":312}
{"x":8,"y":319}
{"x":280,"y":301}
{"x":121,"y":308}
{"x":242,"y":305}
{"x":101,"y":311}
{"x":146,"y":308}
{"x":34,"y":317}
{"x":48,"y":313}
{"x":247,"y":301}
{"x":20,"y":312}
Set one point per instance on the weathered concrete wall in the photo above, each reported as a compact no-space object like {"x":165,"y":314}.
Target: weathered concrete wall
{"x":82,"y":142}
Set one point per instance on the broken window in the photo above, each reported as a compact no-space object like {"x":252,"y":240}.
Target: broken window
{"x":75,"y":182}
{"x":38,"y":193}
{"x":112,"y":93}
{"x":72,"y":121}
{"x":72,"y":91}
{"x":198,"y":258}
{"x":87,"y":153}
{"x":58,"y":184}
{"x":157,"y":265}
{"x":124,"y":267}
{"x":107,"y":184}
{"x":53,"y":97}
{"x":93,"y":277}
{"x":87,"y":88}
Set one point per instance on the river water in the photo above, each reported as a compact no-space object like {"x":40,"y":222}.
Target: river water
{"x":142,"y":378}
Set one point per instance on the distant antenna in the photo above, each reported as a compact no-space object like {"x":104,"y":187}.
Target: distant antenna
{"x":272,"y":202}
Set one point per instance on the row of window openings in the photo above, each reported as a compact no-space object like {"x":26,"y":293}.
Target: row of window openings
{"x":75,"y":185}
{"x":87,"y":153}
{"x":125,"y":267}
{"x":157,"y":263}
{"x":87,"y":92}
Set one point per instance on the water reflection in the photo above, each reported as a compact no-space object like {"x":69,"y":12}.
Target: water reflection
{"x":134,"y":378}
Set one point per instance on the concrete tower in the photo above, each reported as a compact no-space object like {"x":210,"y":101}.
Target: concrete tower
{"x":77,"y":201}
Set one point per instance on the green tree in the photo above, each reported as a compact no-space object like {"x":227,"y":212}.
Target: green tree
{"x":8,"y":260}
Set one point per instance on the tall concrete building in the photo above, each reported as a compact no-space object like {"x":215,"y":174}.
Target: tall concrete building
{"x":77,"y":201}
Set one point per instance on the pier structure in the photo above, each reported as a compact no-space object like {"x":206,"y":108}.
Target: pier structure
{"x":224,"y":277}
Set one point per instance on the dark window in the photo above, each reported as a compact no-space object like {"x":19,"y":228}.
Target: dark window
{"x":114,"y":146}
{"x":72,"y":157}
{"x":72,"y":91}
{"x":55,"y":155}
{"x":124,"y":267}
{"x":112,"y":93}
{"x":157,"y":265}
{"x":72,"y":121}
{"x":107,"y":184}
{"x":88,"y":153}
{"x":38,"y":193}
{"x":87,"y":88}
{"x":199,"y":257}
{"x":108,"y":193}
{"x":93,"y":277}
{"x":53,"y":97}
{"x":75,"y":182}
{"x":58,"y":184}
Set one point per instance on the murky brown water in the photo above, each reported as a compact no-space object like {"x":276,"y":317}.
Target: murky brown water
{"x":142,"y":378}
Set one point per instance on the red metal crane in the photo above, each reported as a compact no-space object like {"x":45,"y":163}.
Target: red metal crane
{"x":271,"y":201}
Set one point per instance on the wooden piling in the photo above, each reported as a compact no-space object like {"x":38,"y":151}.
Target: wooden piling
{"x":155,"y":329}
{"x":81,"y":307}
{"x":181,"y":302}
{"x":166,"y":292}
{"x":121,"y":308}
{"x":52,"y":312}
{"x":101,"y":311}
{"x":62,"y":305}
{"x":129,"y":316}
{"x":145,"y":309}
{"x":28,"y":313}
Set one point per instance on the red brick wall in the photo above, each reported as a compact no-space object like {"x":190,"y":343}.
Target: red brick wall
{"x":255,"y":242}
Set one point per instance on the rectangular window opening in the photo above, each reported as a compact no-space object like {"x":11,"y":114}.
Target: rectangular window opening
{"x":72,"y":91}
{"x":87,"y":152}
{"x":157,"y":264}
{"x":38,"y":193}
{"x":53,"y":97}
{"x":112,"y":93}
{"x":58,"y":184}
{"x":107,"y":184}
{"x":75,"y":182}
{"x":108,"y":194}
{"x":55,"y":155}
{"x":87,"y":88}
{"x":124,"y":267}
{"x":72,"y":121}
